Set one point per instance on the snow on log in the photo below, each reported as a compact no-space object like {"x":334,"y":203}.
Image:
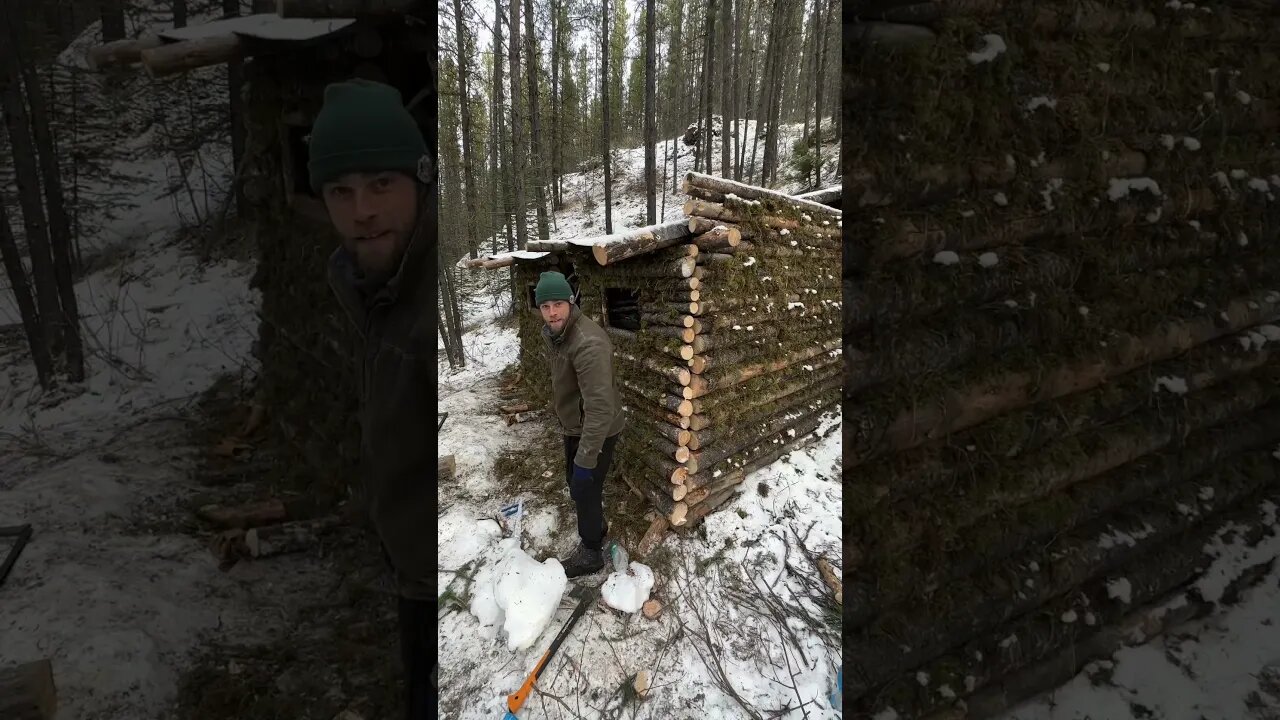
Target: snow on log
{"x":121,"y":52}
{"x":751,"y":192}
{"x":620,"y":246}
{"x":180,"y":57}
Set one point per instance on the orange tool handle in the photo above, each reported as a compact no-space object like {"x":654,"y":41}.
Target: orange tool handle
{"x":516,"y":700}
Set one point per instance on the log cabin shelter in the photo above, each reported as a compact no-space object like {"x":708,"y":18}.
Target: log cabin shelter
{"x":725,"y":327}
{"x":287,"y":57}
{"x":284,"y":60}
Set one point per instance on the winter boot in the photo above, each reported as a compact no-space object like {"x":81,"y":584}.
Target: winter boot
{"x":583,"y":561}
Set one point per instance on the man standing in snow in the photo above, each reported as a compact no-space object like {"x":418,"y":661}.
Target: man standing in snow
{"x":370,"y":164}
{"x":588,"y":407}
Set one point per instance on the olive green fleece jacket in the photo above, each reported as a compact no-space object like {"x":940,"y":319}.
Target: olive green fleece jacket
{"x":396,"y":413}
{"x":586,"y":400}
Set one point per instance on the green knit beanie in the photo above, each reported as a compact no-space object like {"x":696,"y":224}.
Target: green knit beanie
{"x":552,"y":286}
{"x":364,"y":127}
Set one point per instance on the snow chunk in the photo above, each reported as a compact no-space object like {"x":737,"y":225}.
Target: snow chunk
{"x":627,"y":592}
{"x":1069,"y":616}
{"x":887,"y":714}
{"x":1121,"y":187}
{"x":967,"y":213}
{"x":1191,"y":143}
{"x":1259,"y":184}
{"x":1243,"y":97}
{"x":1008,"y":642}
{"x":1168,"y":141}
{"x":1175,"y":385}
{"x":970,"y":682}
{"x":1242,"y":240}
{"x":922,"y":677}
{"x":1270,"y":332}
{"x":794,"y":305}
{"x":1194,"y":223}
{"x":784,"y":232}
{"x":519,"y":593}
{"x":993,"y":46}
{"x":946,"y":257}
{"x":1205,"y":494}
{"x":1238,"y":174}
{"x":749,"y":262}
{"x":988,"y":259}
{"x":946,"y":692}
{"x":1120,"y":589}
{"x":1104,"y":67}
{"x":1000,"y":199}
{"x":1084,"y":311}
{"x":1208,"y":95}
{"x":1054,"y":185}
{"x":1041,"y":101}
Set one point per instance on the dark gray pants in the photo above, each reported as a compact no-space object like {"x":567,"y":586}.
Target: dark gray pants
{"x":588,"y":495}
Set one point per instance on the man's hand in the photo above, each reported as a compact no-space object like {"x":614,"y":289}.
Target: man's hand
{"x":581,"y":473}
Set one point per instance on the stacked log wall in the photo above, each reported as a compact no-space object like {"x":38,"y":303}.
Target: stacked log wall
{"x":1062,"y":287}
{"x":738,"y":354}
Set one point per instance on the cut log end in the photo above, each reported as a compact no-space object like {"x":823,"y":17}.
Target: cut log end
{"x":679,"y":492}
{"x":685,"y":409}
{"x":685,"y":437}
{"x":678,"y":514}
{"x":679,"y":475}
{"x":682,"y":455}
{"x":686,"y":352}
{"x":601,"y":253}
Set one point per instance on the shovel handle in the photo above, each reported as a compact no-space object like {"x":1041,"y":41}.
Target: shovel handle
{"x":516,"y":700}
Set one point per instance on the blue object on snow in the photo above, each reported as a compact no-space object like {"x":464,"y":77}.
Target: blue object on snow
{"x":839,"y":691}
{"x":510,"y":716}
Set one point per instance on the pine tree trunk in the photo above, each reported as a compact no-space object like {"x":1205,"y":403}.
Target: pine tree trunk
{"x":820,"y":63}
{"x":604,"y":99}
{"x":59,"y":226}
{"x":535,"y":129}
{"x":235,"y":109}
{"x":711,"y":83}
{"x":27,"y":177}
{"x":179,"y":13}
{"x":556,"y":117}
{"x":749,"y":81}
{"x":468,"y":227}
{"x":26,"y":304}
{"x":726,"y":25}
{"x":518,"y":149}
{"x":650,"y":118}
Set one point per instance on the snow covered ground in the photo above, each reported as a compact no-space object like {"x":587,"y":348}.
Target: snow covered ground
{"x":1224,"y":667}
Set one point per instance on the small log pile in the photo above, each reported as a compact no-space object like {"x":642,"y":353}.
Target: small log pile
{"x":1059,"y":389}
{"x":726,"y":334}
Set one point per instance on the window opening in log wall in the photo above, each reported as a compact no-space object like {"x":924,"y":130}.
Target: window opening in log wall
{"x":533,"y":296}
{"x":297,"y":156}
{"x":622,"y":308}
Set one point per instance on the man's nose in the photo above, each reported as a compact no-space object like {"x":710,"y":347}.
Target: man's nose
{"x":364,"y":204}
